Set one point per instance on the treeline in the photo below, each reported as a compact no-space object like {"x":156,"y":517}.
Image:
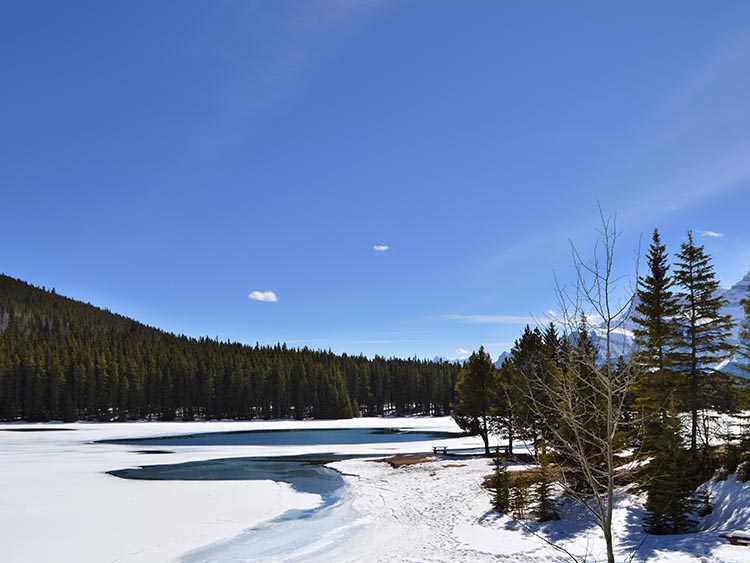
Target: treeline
{"x":61,"y":359}
{"x":593,"y":406}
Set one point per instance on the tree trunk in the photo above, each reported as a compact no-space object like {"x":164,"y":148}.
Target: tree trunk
{"x":485,"y":436}
{"x":694,"y":402}
{"x":510,"y":434}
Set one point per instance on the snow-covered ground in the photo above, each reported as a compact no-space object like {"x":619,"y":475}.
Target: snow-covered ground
{"x":58,"y":504}
{"x":439,"y":512}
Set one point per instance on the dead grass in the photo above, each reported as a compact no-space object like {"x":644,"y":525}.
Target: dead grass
{"x":523,"y":478}
{"x":397,"y":461}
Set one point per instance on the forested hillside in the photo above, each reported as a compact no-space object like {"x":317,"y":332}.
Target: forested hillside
{"x":63,"y":359}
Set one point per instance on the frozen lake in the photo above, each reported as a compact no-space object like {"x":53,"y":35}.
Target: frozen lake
{"x":296,"y":535}
{"x":292,"y":437}
{"x":211,"y":491}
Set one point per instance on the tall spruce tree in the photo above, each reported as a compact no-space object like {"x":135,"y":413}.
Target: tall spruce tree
{"x":703,"y":330}
{"x":477,"y":388}
{"x":524,"y":374}
{"x":655,"y":340}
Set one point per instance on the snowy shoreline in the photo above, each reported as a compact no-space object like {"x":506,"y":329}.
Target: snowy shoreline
{"x":60,"y":490}
{"x":58,"y":503}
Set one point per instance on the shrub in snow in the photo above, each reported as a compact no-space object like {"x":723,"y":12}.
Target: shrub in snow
{"x":720,"y":474}
{"x":703,"y":506}
{"x":743,"y":472}
{"x":500,"y":485}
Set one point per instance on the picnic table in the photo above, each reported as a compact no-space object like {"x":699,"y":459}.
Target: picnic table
{"x":737,"y":537}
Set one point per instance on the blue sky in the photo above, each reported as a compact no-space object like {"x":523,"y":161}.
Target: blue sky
{"x":167,"y":159}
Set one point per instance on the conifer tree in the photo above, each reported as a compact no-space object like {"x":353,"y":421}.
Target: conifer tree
{"x":744,"y":347}
{"x":477,"y":388}
{"x":518,"y":374}
{"x":519,"y":499}
{"x":508,"y":402}
{"x":670,"y":488}
{"x":545,"y":507}
{"x":500,"y":484}
{"x":703,"y":330}
{"x":655,"y":339}
{"x":529,"y":379}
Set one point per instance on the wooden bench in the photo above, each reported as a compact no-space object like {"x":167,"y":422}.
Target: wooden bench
{"x":436,"y":449}
{"x":737,"y":538}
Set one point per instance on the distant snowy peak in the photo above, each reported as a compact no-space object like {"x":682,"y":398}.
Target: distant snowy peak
{"x":444,"y":360}
{"x":501,"y":358}
{"x":461,"y":361}
{"x":734,"y":295}
{"x":622,"y":335}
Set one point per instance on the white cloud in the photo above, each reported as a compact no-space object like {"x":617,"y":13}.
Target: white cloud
{"x":496,"y":319}
{"x":712,"y":234}
{"x":462,"y":352}
{"x":265,"y":296}
{"x":380,"y":247}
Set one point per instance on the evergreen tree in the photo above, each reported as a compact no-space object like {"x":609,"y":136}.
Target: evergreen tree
{"x":703,"y":330}
{"x":744,"y":347}
{"x":545,"y":507}
{"x":500,"y":484}
{"x":584,"y":380}
{"x":519,"y":499}
{"x":655,"y":339}
{"x":529,"y":372}
{"x":63,"y":358}
{"x":508,"y":401}
{"x":477,"y":389}
{"x":670,"y":488}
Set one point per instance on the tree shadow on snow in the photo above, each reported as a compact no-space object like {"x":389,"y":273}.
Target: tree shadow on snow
{"x":633,"y":539}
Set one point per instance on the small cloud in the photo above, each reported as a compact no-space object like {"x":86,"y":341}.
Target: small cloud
{"x":712,"y":234}
{"x":462,"y":352}
{"x":265,"y":296}
{"x":496,"y":319}
{"x":381,"y":248}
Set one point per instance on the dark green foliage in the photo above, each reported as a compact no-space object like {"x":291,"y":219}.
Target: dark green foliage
{"x":655,"y":340}
{"x":703,"y":333}
{"x":500,"y":485}
{"x":527,"y":377}
{"x":478,"y":392}
{"x":702,"y":503}
{"x":519,"y":499}
{"x":63,"y":359}
{"x":744,"y":348}
{"x":545,"y":510}
{"x":586,"y":423}
{"x":743,"y":472}
{"x":672,"y":480}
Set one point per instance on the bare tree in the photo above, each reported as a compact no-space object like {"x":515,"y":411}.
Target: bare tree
{"x":586,"y":393}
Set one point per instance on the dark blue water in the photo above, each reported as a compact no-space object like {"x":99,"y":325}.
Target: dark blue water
{"x":296,"y":536}
{"x":296,"y":437}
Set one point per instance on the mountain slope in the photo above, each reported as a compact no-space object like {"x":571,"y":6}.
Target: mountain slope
{"x":61,"y":358}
